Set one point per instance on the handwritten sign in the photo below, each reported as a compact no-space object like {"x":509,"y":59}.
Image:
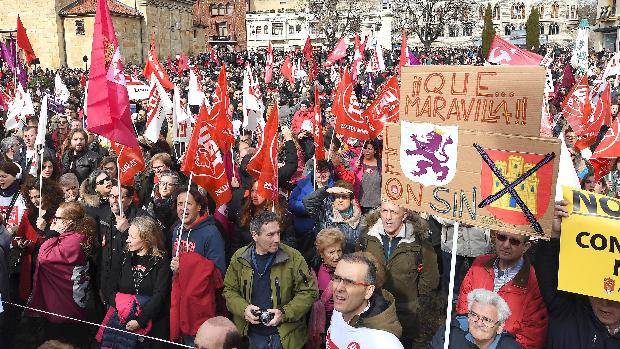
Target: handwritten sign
{"x":496,"y":99}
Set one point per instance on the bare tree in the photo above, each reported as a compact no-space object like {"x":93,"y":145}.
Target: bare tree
{"x":429,"y":18}
{"x":336,"y":18}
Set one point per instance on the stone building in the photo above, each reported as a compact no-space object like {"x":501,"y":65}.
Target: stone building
{"x":61,"y":30}
{"x":606,"y":29}
{"x":558,"y":21}
{"x":223,"y":21}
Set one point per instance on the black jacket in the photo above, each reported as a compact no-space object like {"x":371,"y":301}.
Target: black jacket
{"x":572,"y":323}
{"x":81,"y":164}
{"x":458,"y":331}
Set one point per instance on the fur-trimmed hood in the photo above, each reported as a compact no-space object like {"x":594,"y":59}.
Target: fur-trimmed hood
{"x":89,"y":199}
{"x":416,"y":227}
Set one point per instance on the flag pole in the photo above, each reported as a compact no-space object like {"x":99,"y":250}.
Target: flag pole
{"x":331,"y":140}
{"x":41,"y":182}
{"x":189,"y":183}
{"x":118,"y":175}
{"x":455,"y":235}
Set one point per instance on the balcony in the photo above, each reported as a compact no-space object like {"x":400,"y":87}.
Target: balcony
{"x":222,"y":39}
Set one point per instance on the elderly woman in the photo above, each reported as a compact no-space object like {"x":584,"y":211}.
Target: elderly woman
{"x":61,"y":278}
{"x":77,"y":158}
{"x":70,"y":187}
{"x":336,"y":207}
{"x":10,"y":146}
{"x":162,"y":206}
{"x":483,"y":325}
{"x":160,"y":163}
{"x":31,"y":231}
{"x":143,"y":279}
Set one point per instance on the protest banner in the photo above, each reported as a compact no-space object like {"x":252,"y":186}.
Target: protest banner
{"x":467,"y":148}
{"x":590,"y":234}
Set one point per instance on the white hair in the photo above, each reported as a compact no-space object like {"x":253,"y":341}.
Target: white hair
{"x":480,"y":295}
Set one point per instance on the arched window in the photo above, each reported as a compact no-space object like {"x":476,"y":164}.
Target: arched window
{"x":555,"y":10}
{"x":222,"y":9}
{"x":229,"y":9}
{"x":541,"y":11}
{"x":522,"y":11}
{"x":214,"y":10}
{"x":496,"y":12}
{"x":513,"y":11}
{"x":266,"y":29}
{"x":507,"y":29}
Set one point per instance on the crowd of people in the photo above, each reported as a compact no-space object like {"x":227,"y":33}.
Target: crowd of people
{"x":324,"y":264}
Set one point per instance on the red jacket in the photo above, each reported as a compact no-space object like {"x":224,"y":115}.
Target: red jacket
{"x":194,"y":298}
{"x":528,"y":318}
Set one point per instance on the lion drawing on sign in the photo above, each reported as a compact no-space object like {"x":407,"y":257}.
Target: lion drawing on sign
{"x":433,"y":149}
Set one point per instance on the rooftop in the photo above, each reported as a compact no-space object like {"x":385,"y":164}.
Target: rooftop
{"x":88,"y":7}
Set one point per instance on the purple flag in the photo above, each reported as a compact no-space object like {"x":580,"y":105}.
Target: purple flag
{"x":369,"y":89}
{"x":22,"y":75}
{"x":413,"y":60}
{"x":6,"y":56}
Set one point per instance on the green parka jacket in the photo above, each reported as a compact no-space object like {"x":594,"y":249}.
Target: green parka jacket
{"x":293,"y":291}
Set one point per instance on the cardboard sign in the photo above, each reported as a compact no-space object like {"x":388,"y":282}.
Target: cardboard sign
{"x":438,"y":170}
{"x":496,"y":99}
{"x":591,"y":233}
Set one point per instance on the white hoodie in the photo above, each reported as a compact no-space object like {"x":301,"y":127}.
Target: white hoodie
{"x":343,"y":336}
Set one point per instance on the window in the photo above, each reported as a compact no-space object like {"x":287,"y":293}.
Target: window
{"x":385,"y":4}
{"x":453,"y":31}
{"x":277,"y":29}
{"x":79,"y":27}
{"x":221,"y":9}
{"x":229,"y":9}
{"x":508,"y":29}
{"x":481,"y":12}
{"x":573,"y":12}
{"x":214,"y":10}
{"x":258,"y":30}
{"x":554,"y":28}
{"x":291,"y":29}
{"x":314,"y":30}
{"x":496,"y":12}
{"x":542,"y":28}
{"x":541,"y":11}
{"x":222,"y":28}
{"x":298,"y":28}
{"x":555,"y":10}
{"x":266,"y":29}
{"x":468,"y":29}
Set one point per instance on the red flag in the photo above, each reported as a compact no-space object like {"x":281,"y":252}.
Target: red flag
{"x":404,"y":52}
{"x":576,"y":107}
{"x":349,"y":120}
{"x":130,"y":162}
{"x":384,"y":108}
{"x":23,"y":42}
{"x":503,"y":52}
{"x":601,"y":115}
{"x":108,"y":101}
{"x":263,"y":165}
{"x":358,"y":57}
{"x":602,"y":167}
{"x":287,"y":70}
{"x":317,"y":129}
{"x":610,"y":145}
{"x":308,"y":50}
{"x":213,"y":57}
{"x":219,"y":118}
{"x":269,"y":64}
{"x":183,"y":63}
{"x":153,"y":67}
{"x":203,"y":161}
{"x":340,"y":51}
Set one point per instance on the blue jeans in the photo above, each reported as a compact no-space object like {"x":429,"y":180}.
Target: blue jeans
{"x":264,"y":342}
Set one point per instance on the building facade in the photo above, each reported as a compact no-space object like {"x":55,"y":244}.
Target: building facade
{"x":223,"y":21}
{"x":61,"y":30}
{"x":606,"y":29}
{"x":558,"y":22}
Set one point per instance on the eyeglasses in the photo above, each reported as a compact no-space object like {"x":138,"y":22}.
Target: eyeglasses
{"x":347,"y":282}
{"x":513,"y":241}
{"x":483,"y":319}
{"x":157,"y":168}
{"x":166,"y":184}
{"x":103,"y":180}
{"x":55,"y":218}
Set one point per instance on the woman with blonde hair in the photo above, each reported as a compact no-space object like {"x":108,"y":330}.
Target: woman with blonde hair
{"x":61,"y":278}
{"x":141,"y":290}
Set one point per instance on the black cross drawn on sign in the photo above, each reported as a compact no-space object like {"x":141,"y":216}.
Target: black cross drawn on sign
{"x":510,"y":187}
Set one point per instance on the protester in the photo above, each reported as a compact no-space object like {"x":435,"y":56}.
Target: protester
{"x":268,"y":301}
{"x":10,"y":147}
{"x":49,"y":169}
{"x":94,"y":192}
{"x":509,"y":273}
{"x":77,"y":158}
{"x":399,"y":239}
{"x":11,"y":200}
{"x":160,"y":163}
{"x":69,"y":184}
{"x":162,"y":205}
{"x":329,"y":247}
{"x":353,"y":285}
{"x":108,"y":165}
{"x":482,"y":326}
{"x":218,"y":333}
{"x":368,"y":178}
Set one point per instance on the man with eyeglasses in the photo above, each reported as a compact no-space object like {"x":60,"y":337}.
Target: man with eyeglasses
{"x":359,"y":319}
{"x":482,"y":327}
{"x":268,"y":288}
{"x":509,"y":273}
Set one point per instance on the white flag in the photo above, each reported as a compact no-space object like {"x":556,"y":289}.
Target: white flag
{"x":549,"y":83}
{"x":61,"y":92}
{"x":579,"y":60}
{"x":19,"y":108}
{"x":567,"y":175}
{"x":376,"y":63}
{"x":42,"y":127}
{"x":195,"y":96}
{"x":250,"y":102}
{"x":159,"y":105}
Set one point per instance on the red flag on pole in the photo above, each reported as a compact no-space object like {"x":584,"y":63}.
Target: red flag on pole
{"x":130,"y":162}
{"x":349,"y":120}
{"x":153,"y":67}
{"x":219,"y":118}
{"x":287,"y":70}
{"x":269,"y":64}
{"x":503,"y":52}
{"x":317,"y":129}
{"x":203,"y":161}
{"x":576,"y":107}
{"x":404,"y":52}
{"x":24,"y":43}
{"x":308,"y":52}
{"x":358,"y":57}
{"x":263,"y":165}
{"x":610,"y":145}
{"x":340,"y":51}
{"x":384,"y":108}
{"x":601,"y":116}
{"x":108,"y":101}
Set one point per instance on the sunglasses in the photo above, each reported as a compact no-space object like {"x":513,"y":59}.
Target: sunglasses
{"x":102,"y":181}
{"x":513,"y":241}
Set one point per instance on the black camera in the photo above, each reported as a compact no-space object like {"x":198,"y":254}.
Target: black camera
{"x":264,"y":316}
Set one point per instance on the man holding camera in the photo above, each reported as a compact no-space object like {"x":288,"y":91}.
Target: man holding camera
{"x":269,"y":289}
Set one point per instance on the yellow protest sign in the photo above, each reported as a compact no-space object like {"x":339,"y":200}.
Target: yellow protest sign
{"x":590,"y":245}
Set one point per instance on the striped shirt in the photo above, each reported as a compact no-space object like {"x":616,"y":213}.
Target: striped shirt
{"x":502,"y":277}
